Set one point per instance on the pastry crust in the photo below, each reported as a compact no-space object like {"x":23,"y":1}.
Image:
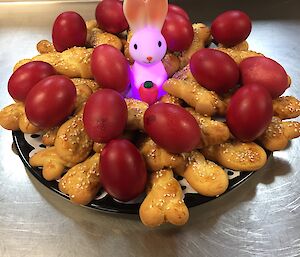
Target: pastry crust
{"x":279,"y":133}
{"x":202,"y":38}
{"x":164,"y":201}
{"x":92,"y":84}
{"x":90,"y":25}
{"x":74,"y":62}
{"x":171,"y":63}
{"x":26,"y":126}
{"x":157,"y":158}
{"x":82,"y":182}
{"x":167,"y":98}
{"x":98,"y":147}
{"x":237,"y":155}
{"x":286,"y":107}
{"x":136,"y":110}
{"x":72,"y":143}
{"x":204,"y":101}
{"x":83,"y":91}
{"x":49,"y":136}
{"x":45,"y":47}
{"x":126,"y":47}
{"x":212,"y":132}
{"x":13,"y":117}
{"x":237,"y":55}
{"x":98,"y":37}
{"x":243,"y":46}
{"x":206,"y":177}
{"x":10,"y":116}
{"x":53,"y":165}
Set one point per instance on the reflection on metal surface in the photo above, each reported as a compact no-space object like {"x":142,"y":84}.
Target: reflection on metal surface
{"x":260,"y":218}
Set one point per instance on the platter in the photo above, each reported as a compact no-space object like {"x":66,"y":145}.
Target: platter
{"x":27,"y":145}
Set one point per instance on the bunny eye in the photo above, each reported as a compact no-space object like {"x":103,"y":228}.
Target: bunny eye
{"x":135,"y":46}
{"x":159,"y":43}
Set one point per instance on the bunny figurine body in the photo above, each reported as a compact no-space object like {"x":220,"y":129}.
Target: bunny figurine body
{"x":147,"y":46}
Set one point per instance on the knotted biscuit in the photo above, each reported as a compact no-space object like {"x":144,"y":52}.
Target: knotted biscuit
{"x":206,"y":177}
{"x":44,"y":47}
{"x":53,"y":165}
{"x":136,"y":110}
{"x":237,"y":55}
{"x":171,"y":63}
{"x":99,"y":37}
{"x":204,"y":101}
{"x":13,"y":117}
{"x":167,"y":98}
{"x":157,"y":158}
{"x":243,"y":46}
{"x":74,"y":62}
{"x":237,"y":155}
{"x":202,"y":38}
{"x":82,"y":182}
{"x":277,"y":135}
{"x":286,"y":107}
{"x":48,"y":138}
{"x":164,"y":201}
{"x":213,"y":132}
{"x":72,"y":142}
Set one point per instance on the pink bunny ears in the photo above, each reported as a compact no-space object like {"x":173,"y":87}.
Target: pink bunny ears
{"x":142,"y":13}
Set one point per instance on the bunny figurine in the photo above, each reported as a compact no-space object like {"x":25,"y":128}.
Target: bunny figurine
{"x":147,"y":45}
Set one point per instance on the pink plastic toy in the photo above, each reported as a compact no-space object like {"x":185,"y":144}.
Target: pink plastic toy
{"x":147,"y":45}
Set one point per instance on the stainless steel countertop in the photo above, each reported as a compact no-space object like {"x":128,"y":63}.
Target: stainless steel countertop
{"x":259,"y":218}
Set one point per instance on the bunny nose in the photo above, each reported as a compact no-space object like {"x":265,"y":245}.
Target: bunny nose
{"x":149,"y":58}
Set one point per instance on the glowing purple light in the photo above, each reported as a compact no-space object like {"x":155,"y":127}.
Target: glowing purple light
{"x":147,"y":45}
{"x":141,"y":73}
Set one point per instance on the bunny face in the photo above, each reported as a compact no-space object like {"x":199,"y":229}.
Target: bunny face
{"x":147,"y":46}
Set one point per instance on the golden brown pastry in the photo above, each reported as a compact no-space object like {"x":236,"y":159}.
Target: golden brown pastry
{"x":279,"y":133}
{"x":44,"y":47}
{"x":53,"y":165}
{"x":98,"y":147}
{"x":98,"y":37}
{"x":49,"y":136}
{"x":83,"y":91}
{"x":74,"y":62}
{"x":20,"y":63}
{"x":157,"y":158}
{"x":206,"y":177}
{"x":204,"y":101}
{"x":136,"y":110}
{"x":164,"y":201}
{"x":72,"y":143}
{"x":126,"y":47}
{"x":202,"y":38}
{"x":243,"y":46}
{"x":92,"y":84}
{"x":26,"y":126}
{"x":236,"y":155}
{"x":171,"y":63}
{"x":13,"y":117}
{"x":239,"y":56}
{"x":90,"y":25}
{"x":167,"y":98}
{"x":10,"y":115}
{"x":212,"y":132}
{"x":82,"y":182}
{"x":286,"y":107}
{"x":185,"y":74}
